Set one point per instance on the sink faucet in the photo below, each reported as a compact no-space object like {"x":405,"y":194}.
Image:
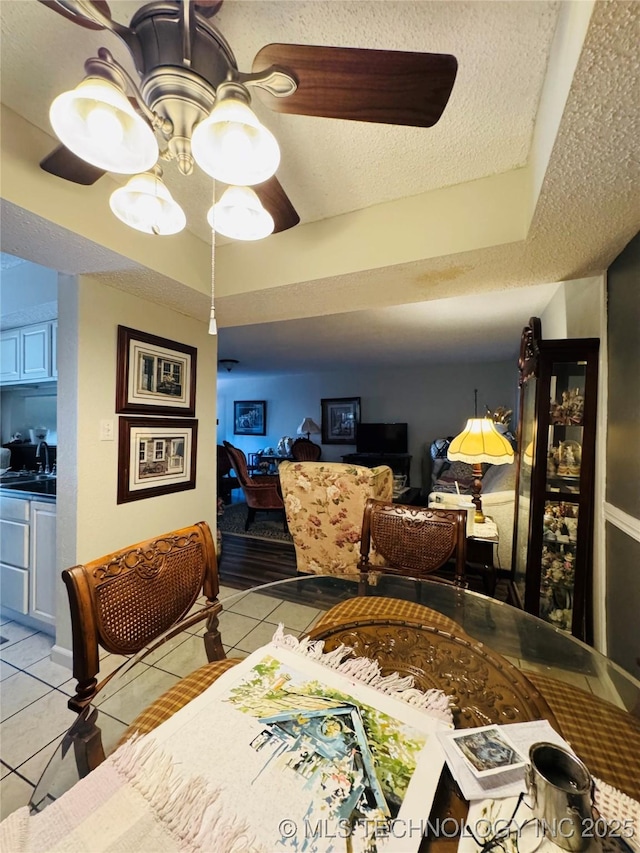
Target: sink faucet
{"x":43,"y":445}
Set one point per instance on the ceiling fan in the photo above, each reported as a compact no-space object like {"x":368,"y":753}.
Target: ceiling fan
{"x":192,"y":96}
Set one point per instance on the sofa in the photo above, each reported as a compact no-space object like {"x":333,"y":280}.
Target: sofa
{"x":498,"y":493}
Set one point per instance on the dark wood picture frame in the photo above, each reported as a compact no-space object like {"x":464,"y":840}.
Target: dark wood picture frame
{"x":249,"y":417}
{"x":340,"y":418}
{"x":155,"y":376}
{"x":149,"y":459}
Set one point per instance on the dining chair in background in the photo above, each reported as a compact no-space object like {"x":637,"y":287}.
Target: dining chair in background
{"x":305,"y":450}
{"x":262,"y":493}
{"x":324,"y":502}
{"x":124,"y":600}
{"x":414,"y":541}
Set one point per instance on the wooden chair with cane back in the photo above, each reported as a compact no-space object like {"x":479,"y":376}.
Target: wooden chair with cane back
{"x":124,"y":600}
{"x":413,"y":541}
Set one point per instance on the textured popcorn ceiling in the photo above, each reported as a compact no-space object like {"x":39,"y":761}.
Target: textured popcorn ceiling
{"x":470,"y":304}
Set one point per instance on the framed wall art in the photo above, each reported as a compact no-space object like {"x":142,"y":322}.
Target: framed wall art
{"x":156,"y":456}
{"x":249,"y":417}
{"x":155,"y":376}
{"x":340,"y":416}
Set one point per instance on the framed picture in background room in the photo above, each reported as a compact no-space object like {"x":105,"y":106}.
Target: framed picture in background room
{"x":340,"y":417}
{"x":249,"y":417}
{"x":155,"y":376}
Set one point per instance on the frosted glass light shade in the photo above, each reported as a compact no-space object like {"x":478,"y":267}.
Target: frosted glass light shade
{"x":145,"y":204}
{"x":239,"y":214}
{"x":96,"y":121}
{"x":478,"y":442}
{"x":233,"y":146}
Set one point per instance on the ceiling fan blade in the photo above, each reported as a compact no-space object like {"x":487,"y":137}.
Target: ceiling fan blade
{"x":387,"y":86}
{"x":65,"y":164}
{"x":101,"y":5}
{"x":276,"y":201}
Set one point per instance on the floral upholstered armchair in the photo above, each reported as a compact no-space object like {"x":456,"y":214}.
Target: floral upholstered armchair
{"x":324,"y":502}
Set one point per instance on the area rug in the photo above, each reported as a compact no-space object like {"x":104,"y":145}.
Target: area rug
{"x":266,"y":525}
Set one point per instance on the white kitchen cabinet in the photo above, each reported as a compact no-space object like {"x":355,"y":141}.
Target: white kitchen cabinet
{"x":10,"y":356}
{"x":28,"y":574}
{"x":43,"y":579}
{"x":35,"y":352}
{"x":14,"y":554}
{"x":54,"y":349}
{"x":29,"y":353}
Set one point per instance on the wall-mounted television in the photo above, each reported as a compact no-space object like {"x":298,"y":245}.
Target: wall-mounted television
{"x":381,"y":438}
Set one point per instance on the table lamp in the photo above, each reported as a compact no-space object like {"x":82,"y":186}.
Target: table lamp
{"x":480,"y":442}
{"x":307,"y":427}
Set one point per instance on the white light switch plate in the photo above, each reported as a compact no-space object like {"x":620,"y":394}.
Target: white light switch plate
{"x":106,"y":430}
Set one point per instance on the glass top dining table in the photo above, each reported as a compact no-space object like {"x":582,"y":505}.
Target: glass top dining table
{"x":498,"y":664}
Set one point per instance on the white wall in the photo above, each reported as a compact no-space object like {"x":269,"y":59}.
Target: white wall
{"x":574,"y":311}
{"x":435,"y":401}
{"x":90,"y":522}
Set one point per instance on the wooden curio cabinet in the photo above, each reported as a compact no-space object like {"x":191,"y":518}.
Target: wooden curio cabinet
{"x":553,"y":526}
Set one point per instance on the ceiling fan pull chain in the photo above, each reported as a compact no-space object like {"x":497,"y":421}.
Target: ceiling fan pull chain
{"x":213,"y":326}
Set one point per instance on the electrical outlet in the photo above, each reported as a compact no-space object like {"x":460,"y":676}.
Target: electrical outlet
{"x":106,"y":430}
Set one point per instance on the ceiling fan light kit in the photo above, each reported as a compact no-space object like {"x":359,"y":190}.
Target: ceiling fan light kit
{"x":191,"y":96}
{"x":231,"y":144}
{"x":145,"y":204}
{"x":240,"y":215}
{"x":98,"y":123}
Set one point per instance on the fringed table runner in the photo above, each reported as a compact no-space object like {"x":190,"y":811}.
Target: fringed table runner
{"x":280,"y":753}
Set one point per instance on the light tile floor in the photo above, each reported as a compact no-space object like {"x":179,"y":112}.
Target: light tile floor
{"x":34,"y":690}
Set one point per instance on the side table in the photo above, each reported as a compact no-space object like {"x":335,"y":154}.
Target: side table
{"x":480,"y":556}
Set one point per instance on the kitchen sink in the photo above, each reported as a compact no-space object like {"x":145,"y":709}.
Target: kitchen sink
{"x":39,"y":485}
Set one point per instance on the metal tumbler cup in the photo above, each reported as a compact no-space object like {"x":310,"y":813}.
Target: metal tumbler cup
{"x":561,"y":789}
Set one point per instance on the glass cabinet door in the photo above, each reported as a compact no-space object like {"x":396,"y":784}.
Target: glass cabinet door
{"x":522,"y":527}
{"x":562,"y":492}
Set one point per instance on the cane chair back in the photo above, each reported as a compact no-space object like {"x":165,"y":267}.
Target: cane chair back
{"x":304,"y":450}
{"x":414,"y":541}
{"x":262,"y":492}
{"x":126,"y":599}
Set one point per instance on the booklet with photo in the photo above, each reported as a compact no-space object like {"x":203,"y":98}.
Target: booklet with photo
{"x":510,"y":781}
{"x":487,"y":750}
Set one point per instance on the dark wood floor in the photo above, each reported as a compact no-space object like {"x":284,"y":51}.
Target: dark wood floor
{"x":247,"y":562}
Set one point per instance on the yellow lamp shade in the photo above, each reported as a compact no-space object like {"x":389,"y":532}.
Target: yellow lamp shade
{"x":479,"y":442}
{"x":98,"y":123}
{"x":145,"y":204}
{"x":239,"y":214}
